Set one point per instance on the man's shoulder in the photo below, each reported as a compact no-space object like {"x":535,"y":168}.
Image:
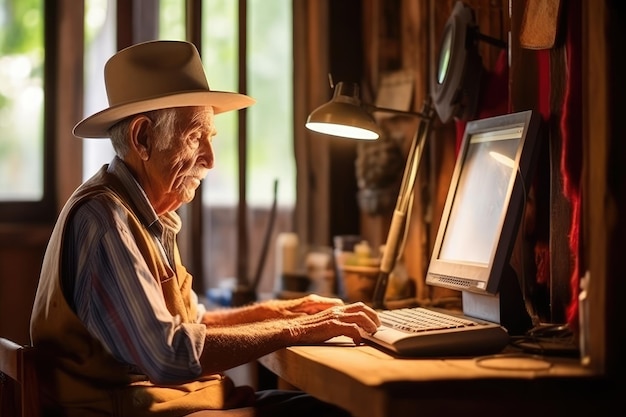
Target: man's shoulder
{"x":96,"y":211}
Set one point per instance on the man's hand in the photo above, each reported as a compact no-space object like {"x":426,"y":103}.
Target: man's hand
{"x":345,"y":320}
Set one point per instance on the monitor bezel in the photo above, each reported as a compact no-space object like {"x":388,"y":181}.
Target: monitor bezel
{"x":478,"y":278}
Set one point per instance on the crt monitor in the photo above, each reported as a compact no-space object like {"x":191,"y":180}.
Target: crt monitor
{"x":484,"y":205}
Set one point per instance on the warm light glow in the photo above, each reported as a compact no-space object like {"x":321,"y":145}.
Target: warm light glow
{"x":344,"y":116}
{"x":504,"y":160}
{"x":345,"y":131}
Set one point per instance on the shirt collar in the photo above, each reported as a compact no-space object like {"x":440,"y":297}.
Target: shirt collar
{"x":137,"y":195}
{"x":170,"y":220}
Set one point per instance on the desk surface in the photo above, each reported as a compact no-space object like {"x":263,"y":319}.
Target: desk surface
{"x":369,"y":382}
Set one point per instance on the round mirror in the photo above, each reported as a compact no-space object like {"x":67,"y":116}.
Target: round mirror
{"x":456,"y":79}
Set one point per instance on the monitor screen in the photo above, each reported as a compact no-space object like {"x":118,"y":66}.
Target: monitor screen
{"x":485,"y":203}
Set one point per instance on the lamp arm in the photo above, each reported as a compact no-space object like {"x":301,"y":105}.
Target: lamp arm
{"x":398,"y":221}
{"x":371,"y":108}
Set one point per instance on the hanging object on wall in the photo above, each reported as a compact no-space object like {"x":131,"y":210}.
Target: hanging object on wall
{"x":455,"y":83}
{"x":540,"y":24}
{"x":379,"y":165}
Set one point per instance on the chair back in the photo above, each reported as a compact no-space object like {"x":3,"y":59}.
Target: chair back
{"x":19,"y":388}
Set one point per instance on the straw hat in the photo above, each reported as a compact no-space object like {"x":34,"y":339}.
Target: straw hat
{"x":155,"y":75}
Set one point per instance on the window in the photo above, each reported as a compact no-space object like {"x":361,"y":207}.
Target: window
{"x":268,"y":133}
{"x":25,"y":192}
{"x":99,"y":46}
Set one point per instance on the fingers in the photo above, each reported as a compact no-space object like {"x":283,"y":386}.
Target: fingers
{"x":322,"y":327}
{"x":351,"y":320}
{"x":364,"y":308}
{"x":361,"y":315}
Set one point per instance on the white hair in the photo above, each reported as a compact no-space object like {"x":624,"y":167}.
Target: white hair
{"x":164,"y":124}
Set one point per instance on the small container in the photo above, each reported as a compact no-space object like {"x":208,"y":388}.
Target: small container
{"x":317,"y":263}
{"x":359,"y":282}
{"x":362,"y":253}
{"x":286,"y":258}
{"x":343,"y":249}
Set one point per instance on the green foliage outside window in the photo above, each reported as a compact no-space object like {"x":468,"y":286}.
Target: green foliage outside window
{"x":21,"y":100}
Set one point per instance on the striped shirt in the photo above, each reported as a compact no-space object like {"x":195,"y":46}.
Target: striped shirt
{"x":116,"y":296}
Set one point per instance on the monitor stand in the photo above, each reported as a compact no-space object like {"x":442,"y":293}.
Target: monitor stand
{"x":507,"y":307}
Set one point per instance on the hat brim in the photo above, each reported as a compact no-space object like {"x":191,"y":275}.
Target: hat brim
{"x":98,"y":124}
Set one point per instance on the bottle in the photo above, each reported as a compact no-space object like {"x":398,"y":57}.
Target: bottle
{"x":583,"y":317}
{"x":363,"y":253}
{"x":286,"y":258}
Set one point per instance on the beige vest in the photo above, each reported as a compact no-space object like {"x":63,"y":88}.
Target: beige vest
{"x":77,"y":372}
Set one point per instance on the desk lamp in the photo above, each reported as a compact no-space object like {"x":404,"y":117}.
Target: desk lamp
{"x":346,"y":116}
{"x":454,"y":94}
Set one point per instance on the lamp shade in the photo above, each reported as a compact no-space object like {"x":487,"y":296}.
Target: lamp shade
{"x":344,"y":116}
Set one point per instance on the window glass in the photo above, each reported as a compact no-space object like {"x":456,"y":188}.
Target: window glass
{"x":220,"y":58}
{"x":21,"y":100}
{"x":220,"y":187}
{"x":100,"y":44}
{"x":270,"y":81}
{"x":172,"y":19}
{"x":269,"y":135}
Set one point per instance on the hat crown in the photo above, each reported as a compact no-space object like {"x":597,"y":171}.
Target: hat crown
{"x":155,"y":75}
{"x":153,"y":69}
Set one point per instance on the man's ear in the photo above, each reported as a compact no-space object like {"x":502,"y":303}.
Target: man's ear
{"x":140,"y":130}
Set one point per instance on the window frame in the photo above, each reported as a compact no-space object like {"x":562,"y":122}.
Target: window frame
{"x":43,"y":210}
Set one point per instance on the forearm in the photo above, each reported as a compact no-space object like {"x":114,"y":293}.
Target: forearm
{"x":230,"y":346}
{"x":227,"y":346}
{"x":239,"y":315}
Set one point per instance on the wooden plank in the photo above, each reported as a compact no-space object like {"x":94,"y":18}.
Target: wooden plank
{"x":369,"y":382}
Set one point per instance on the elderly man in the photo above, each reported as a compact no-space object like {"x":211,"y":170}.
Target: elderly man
{"x":122,"y":330}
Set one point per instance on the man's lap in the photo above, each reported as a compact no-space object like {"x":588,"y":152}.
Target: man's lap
{"x":280,"y":403}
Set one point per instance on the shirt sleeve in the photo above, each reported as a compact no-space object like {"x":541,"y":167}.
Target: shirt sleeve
{"x":120,"y":302}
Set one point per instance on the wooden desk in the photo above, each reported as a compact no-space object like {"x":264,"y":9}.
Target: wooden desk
{"x":370,"y":383}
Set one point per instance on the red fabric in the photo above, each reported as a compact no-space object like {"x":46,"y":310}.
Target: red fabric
{"x":494,"y":99}
{"x":571,"y":156}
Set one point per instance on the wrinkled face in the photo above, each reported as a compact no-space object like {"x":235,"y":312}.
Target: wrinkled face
{"x":174,"y":174}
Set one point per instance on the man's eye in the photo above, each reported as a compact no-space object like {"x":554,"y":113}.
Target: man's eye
{"x":194,"y":139}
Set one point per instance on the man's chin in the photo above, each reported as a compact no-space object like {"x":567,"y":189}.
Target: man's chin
{"x":188,"y":195}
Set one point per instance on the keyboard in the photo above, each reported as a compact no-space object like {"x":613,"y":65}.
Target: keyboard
{"x":424,"y":332}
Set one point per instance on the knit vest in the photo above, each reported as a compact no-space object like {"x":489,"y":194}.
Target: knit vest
{"x":79,"y":377}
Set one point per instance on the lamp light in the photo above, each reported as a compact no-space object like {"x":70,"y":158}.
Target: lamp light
{"x":345,"y":115}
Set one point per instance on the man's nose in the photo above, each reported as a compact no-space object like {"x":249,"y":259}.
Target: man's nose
{"x":207,"y":156}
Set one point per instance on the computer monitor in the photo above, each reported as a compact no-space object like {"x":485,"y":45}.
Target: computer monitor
{"x":482,"y":214}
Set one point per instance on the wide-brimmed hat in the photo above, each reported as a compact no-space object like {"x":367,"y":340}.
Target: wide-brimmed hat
{"x":155,"y":75}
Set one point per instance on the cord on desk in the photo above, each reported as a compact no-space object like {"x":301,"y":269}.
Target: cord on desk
{"x":548,"y":339}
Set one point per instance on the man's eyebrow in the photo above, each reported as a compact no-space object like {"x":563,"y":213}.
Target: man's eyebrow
{"x":198,"y":121}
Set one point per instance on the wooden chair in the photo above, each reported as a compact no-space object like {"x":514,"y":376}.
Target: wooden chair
{"x":19,"y":389}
